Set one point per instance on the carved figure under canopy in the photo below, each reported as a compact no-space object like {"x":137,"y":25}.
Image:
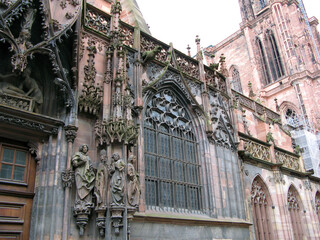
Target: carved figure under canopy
{"x":32,"y":88}
{"x":84,"y":173}
{"x":101,"y":181}
{"x":117,"y":180}
{"x":133,"y":183}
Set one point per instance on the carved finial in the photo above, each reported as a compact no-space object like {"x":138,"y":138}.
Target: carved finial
{"x":223,"y":67}
{"x":188,"y":48}
{"x":197,"y":40}
{"x":251,"y":93}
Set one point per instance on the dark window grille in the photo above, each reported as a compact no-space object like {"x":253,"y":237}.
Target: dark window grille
{"x":172,"y":169}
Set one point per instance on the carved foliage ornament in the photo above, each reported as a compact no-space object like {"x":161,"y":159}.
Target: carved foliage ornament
{"x":288,"y":160}
{"x":120,"y":130}
{"x":91,"y":98}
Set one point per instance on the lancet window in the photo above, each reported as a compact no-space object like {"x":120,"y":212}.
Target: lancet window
{"x":172,"y":169}
{"x":261,"y":205}
{"x":263,"y":63}
{"x":274,"y":57}
{"x":295,"y":211}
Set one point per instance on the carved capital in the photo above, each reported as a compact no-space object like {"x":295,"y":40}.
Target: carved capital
{"x":67,"y":177}
{"x":71,"y":133}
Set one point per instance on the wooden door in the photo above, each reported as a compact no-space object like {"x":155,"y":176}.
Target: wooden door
{"x":17,"y":175}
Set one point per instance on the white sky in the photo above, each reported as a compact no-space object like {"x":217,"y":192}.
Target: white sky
{"x":179,"y":21}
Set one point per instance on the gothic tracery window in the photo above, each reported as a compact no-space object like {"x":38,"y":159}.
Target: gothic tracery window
{"x":236,"y":82}
{"x":292,"y":118}
{"x":172,"y":167}
{"x":295,"y":211}
{"x":261,"y":204}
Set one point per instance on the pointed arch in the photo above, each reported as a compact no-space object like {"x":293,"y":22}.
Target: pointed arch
{"x":171,"y":159}
{"x":261,"y":204}
{"x":295,"y":210}
{"x":236,"y":81}
{"x":290,"y":114}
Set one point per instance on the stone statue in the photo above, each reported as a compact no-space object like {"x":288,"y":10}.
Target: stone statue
{"x":84,"y":176}
{"x":8,"y":88}
{"x":117,"y":180}
{"x":133,"y":183}
{"x":101,"y":181}
{"x":32,"y":89}
{"x":148,"y":56}
{"x":84,"y":173}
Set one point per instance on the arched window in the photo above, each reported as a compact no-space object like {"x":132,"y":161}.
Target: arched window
{"x":263,"y":63}
{"x":292,"y":118}
{"x":172,"y":169}
{"x":274,"y":56}
{"x":317,"y":203}
{"x":294,"y":205}
{"x":261,"y":205}
{"x":236,"y":82}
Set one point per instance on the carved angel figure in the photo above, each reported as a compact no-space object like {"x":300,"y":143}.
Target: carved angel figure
{"x":84,"y":173}
{"x":117,"y":180}
{"x":133,"y":183}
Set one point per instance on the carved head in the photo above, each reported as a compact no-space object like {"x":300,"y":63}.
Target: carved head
{"x":115,"y":156}
{"x":84,"y":148}
{"x":103,"y":155}
{"x":132,"y":159}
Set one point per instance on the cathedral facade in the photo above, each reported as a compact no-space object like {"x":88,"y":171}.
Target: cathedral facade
{"x":109,"y":133}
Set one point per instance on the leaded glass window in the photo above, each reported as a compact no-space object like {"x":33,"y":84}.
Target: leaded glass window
{"x":274,"y":57}
{"x":13,"y":164}
{"x":172,"y":167}
{"x":263,"y":63}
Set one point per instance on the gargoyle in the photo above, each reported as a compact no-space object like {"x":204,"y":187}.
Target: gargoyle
{"x":148,"y":56}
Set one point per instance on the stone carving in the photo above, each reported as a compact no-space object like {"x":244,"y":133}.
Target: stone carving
{"x":32,"y":88}
{"x":258,"y":195}
{"x":100,"y":191}
{"x":149,"y":45}
{"x":84,"y":176}
{"x":288,"y":160}
{"x":67,"y":177}
{"x":222,"y":133}
{"x":257,"y":150}
{"x":117,"y":187}
{"x":97,"y":22}
{"x":133,"y":183}
{"x":117,"y":180}
{"x":91,"y":97}
{"x":149,"y":56}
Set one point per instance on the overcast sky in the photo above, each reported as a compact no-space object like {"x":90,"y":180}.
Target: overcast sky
{"x":179,"y":21}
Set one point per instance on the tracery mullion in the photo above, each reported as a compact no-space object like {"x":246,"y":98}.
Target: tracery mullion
{"x":270,"y":233}
{"x":261,"y":235}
